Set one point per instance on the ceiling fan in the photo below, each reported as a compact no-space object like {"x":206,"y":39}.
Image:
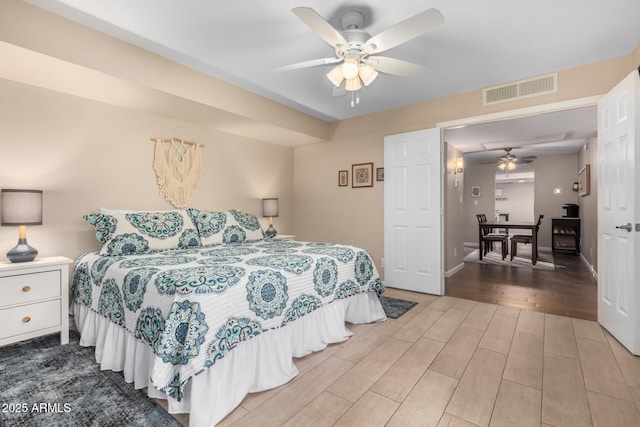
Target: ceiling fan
{"x":356,"y":51}
{"x":509,"y":161}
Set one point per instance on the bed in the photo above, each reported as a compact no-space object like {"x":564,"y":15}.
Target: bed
{"x":201,"y":309}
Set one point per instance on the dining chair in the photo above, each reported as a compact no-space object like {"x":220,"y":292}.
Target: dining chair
{"x":526,"y":239}
{"x":489,"y":237}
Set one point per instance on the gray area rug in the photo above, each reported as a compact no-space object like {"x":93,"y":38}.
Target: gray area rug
{"x":395,"y":307}
{"x":523,"y":260}
{"x":45,"y":384}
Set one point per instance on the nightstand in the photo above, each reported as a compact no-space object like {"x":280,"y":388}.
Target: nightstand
{"x":284,"y":237}
{"x":34,"y":299}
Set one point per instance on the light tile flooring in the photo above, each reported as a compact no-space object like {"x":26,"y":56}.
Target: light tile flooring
{"x":454,"y":362}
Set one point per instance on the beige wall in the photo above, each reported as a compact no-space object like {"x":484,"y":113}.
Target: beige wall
{"x":85,"y":154}
{"x":357,"y":140}
{"x":77,"y":102}
{"x":454,"y":185}
{"x":550,"y":172}
{"x":635,"y":57}
{"x":589,"y":205}
{"x":483,"y":176}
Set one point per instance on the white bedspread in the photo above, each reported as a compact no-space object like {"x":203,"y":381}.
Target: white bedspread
{"x":169,"y":318}
{"x":255,"y":365}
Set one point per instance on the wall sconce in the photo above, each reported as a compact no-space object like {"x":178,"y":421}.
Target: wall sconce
{"x":459,"y":166}
{"x":21,"y":208}
{"x":270,"y":209}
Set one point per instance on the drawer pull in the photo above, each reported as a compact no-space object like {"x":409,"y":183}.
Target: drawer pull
{"x":26,"y":288}
{"x":26,"y":319}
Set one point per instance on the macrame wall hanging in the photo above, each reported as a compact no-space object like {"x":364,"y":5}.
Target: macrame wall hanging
{"x":177,"y":164}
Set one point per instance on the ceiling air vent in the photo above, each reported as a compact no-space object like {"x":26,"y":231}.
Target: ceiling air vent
{"x":521,"y":89}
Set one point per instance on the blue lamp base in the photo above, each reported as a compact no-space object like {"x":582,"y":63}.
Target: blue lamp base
{"x":22,"y":252}
{"x":270,"y":232}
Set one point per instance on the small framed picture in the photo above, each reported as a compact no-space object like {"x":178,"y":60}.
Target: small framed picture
{"x":584,"y":181}
{"x":379,"y":174}
{"x":343,"y":178}
{"x":475,"y":191}
{"x":362,"y":175}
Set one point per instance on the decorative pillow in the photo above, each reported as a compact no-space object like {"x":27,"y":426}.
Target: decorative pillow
{"x":226,"y":227}
{"x":209,"y":225}
{"x":250,"y":224}
{"x":140,"y":232}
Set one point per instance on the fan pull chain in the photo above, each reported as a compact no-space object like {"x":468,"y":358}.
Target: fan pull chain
{"x":357,"y":99}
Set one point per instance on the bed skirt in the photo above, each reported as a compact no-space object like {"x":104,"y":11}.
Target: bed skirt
{"x":261,"y":363}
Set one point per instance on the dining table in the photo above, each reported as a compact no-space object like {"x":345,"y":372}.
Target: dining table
{"x":489,"y":226}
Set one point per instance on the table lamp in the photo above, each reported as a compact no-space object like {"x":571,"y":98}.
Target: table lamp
{"x":270,"y":209}
{"x":21,"y":208}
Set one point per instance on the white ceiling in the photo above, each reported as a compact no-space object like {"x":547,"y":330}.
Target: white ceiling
{"x":561,"y":132}
{"x":480,"y":43}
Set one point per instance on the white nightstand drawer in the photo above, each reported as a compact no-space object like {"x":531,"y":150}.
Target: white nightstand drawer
{"x":29,"y":318}
{"x":23,"y":288}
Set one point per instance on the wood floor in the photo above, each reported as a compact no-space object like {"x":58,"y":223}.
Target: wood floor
{"x":456,"y":362}
{"x":570,"y":290}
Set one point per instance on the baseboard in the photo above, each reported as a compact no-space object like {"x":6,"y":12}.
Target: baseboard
{"x":593,"y":271}
{"x":454,"y":270}
{"x":470,"y":245}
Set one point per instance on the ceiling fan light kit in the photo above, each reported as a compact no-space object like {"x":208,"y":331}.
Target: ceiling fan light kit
{"x":350,"y":72}
{"x":509,"y":161}
{"x":356,"y":51}
{"x":508,"y":165}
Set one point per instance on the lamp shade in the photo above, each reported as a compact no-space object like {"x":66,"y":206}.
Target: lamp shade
{"x":368,"y":74}
{"x":270,"y":207}
{"x":21,"y":207}
{"x":353,"y":84}
{"x":335,"y":76}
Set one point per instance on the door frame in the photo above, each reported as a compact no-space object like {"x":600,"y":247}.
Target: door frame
{"x":589,"y":101}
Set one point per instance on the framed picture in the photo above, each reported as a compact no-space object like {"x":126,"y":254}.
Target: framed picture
{"x":475,"y":191}
{"x":584,"y":181}
{"x":379,"y":174}
{"x":343,"y":178}
{"x":362,"y":175}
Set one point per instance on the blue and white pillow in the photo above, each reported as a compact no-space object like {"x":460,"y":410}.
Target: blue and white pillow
{"x":234,"y":226}
{"x":139,"y":232}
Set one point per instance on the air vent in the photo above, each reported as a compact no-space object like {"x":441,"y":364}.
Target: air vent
{"x":521,"y":89}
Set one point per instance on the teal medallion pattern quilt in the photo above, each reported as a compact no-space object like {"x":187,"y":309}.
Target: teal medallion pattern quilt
{"x":194,"y":305}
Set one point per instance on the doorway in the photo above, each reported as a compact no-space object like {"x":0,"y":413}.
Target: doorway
{"x":510,"y":286}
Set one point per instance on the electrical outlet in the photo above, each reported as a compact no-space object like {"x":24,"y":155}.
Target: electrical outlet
{"x":455,"y":251}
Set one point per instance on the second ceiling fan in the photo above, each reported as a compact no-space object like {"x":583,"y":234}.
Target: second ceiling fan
{"x":509,"y":161}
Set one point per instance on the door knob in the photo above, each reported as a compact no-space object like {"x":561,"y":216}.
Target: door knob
{"x":627,"y":227}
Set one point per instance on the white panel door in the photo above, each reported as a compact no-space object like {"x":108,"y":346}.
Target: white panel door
{"x":618,"y":211}
{"x":413,"y":212}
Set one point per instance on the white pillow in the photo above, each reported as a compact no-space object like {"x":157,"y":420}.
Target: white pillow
{"x":140,"y":232}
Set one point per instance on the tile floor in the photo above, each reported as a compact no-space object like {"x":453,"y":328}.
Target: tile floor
{"x":455,"y":362}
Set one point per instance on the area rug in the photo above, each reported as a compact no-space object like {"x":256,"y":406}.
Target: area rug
{"x":395,"y":307}
{"x":545,"y":261}
{"x":45,"y":384}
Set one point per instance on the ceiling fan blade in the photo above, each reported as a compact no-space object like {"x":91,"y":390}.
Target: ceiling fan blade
{"x":404,"y":31}
{"x":393,"y":66}
{"x":319,"y":26}
{"x":307,"y":64}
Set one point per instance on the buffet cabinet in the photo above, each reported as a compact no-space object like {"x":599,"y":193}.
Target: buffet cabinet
{"x":566,"y":235}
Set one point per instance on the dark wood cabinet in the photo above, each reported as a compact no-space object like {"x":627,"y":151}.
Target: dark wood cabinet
{"x":565,"y":234}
